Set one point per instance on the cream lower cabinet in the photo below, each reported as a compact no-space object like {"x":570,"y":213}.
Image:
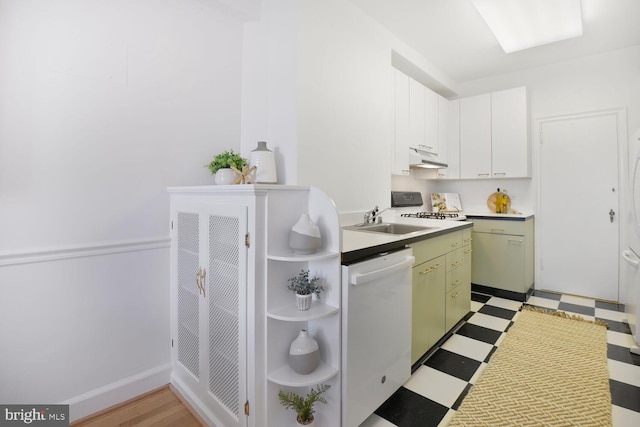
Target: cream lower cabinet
{"x":427,"y":308}
{"x":441,"y":288}
{"x":503,"y":254}
{"x":232,"y":317}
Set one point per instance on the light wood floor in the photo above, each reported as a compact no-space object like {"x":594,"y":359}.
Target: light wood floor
{"x":161,"y":407}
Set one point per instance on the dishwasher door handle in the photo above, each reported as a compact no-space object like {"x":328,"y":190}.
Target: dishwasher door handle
{"x":362,"y":278}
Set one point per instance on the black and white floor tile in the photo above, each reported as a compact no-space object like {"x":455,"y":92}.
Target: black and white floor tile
{"x":436,"y":389}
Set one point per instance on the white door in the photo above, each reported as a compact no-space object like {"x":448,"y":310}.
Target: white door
{"x":578,"y":238}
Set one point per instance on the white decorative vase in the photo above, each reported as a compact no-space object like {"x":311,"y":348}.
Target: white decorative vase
{"x":264,"y":161}
{"x":309,"y":424}
{"x":304,"y":353}
{"x":224,"y":176}
{"x":303,"y":302}
{"x":304,"y":237}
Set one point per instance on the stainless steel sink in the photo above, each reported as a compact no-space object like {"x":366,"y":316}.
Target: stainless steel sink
{"x":388,"y":228}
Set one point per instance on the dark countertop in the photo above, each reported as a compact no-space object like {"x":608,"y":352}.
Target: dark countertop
{"x":358,"y":245}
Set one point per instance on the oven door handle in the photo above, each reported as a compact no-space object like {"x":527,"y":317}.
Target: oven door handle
{"x":362,"y":278}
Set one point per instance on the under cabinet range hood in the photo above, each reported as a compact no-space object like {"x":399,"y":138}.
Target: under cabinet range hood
{"x":424,"y":159}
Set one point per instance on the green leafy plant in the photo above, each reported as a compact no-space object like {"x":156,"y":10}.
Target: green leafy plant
{"x":226,"y":159}
{"x":304,"y":405}
{"x":302,"y":285}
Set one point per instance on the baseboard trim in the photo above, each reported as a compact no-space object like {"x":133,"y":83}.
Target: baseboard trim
{"x":81,"y":251}
{"x":97,"y":400}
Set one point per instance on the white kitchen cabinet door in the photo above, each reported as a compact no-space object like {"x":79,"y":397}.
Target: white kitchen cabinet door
{"x":475,"y":137}
{"x":209,"y":330}
{"x":450,"y":147}
{"x":400,"y":156}
{"x":416,"y":114}
{"x":509,"y":130}
{"x":443,"y":129}
{"x":431,"y":131}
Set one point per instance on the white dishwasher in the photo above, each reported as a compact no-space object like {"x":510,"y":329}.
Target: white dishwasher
{"x":376,"y":332}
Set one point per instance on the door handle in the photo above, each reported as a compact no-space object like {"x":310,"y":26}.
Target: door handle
{"x":611,"y":215}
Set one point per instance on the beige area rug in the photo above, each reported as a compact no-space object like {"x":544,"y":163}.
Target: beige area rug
{"x":548,"y":371}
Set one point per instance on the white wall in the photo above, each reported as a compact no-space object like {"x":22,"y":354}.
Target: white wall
{"x":269,"y":85}
{"x":345,"y":103}
{"x":104,"y":103}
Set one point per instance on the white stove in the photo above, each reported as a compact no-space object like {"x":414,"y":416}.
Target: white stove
{"x":451,"y":216}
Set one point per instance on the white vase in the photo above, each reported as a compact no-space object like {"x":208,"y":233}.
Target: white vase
{"x":224,"y":176}
{"x":309,"y":424}
{"x":304,"y":237}
{"x":264,"y":161}
{"x":303,"y":302}
{"x":304,"y":353}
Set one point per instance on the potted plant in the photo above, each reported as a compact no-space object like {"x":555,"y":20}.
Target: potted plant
{"x":304,"y":405}
{"x":221,"y":165}
{"x":304,"y":288}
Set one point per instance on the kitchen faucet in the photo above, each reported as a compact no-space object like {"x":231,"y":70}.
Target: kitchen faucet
{"x":371,"y":216}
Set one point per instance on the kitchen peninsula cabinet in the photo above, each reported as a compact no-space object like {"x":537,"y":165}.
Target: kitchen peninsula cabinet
{"x":232,"y":316}
{"x":502,"y":259}
{"x":494,"y":135}
{"x":441,"y":288}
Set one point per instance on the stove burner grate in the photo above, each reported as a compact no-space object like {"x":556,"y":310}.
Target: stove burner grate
{"x":431,"y":215}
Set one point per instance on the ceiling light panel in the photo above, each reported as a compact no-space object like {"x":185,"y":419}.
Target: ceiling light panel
{"x":522,"y":24}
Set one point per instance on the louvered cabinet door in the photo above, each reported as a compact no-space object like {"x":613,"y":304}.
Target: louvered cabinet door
{"x":209,"y":298}
{"x":226,"y":301}
{"x":187,"y":294}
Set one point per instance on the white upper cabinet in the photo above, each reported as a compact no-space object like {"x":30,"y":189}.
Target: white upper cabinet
{"x":420,"y":121}
{"x":475,"y":137}
{"x":510,"y":144}
{"x":430,"y":118}
{"x":450,"y":139}
{"x":416,"y":114}
{"x":494,"y":139}
{"x":400,"y":150}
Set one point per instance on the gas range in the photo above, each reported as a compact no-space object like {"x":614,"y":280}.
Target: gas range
{"x":451,"y":216}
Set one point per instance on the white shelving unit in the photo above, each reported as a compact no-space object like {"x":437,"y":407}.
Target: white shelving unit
{"x":284,"y":320}
{"x":247,"y":267}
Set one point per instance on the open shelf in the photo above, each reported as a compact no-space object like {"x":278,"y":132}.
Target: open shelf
{"x":290,"y":255}
{"x":290,"y":313}
{"x":285,"y":376}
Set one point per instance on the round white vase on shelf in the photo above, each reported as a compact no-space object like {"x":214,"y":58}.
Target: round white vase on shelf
{"x":264,"y":161}
{"x":304,"y":353}
{"x":303,"y":302}
{"x":224,"y":176}
{"x":304,"y":237}
{"x":308,"y":424}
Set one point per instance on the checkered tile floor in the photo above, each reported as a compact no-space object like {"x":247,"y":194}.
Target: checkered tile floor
{"x":436,"y":389}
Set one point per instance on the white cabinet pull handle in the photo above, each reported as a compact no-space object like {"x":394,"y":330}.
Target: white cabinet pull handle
{"x":515,"y":241}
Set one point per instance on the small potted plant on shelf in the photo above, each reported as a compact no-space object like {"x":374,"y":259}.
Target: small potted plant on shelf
{"x":304,"y":288}
{"x":221,"y":166}
{"x":304,"y":405}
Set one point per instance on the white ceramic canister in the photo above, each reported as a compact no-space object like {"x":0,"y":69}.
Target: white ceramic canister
{"x":304,"y":353}
{"x":264,"y":161}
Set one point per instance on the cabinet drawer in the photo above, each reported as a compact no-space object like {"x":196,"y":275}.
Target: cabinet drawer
{"x":436,"y":246}
{"x":466,"y":236}
{"x":454,"y":259}
{"x":455,"y":278}
{"x":499,"y":226}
